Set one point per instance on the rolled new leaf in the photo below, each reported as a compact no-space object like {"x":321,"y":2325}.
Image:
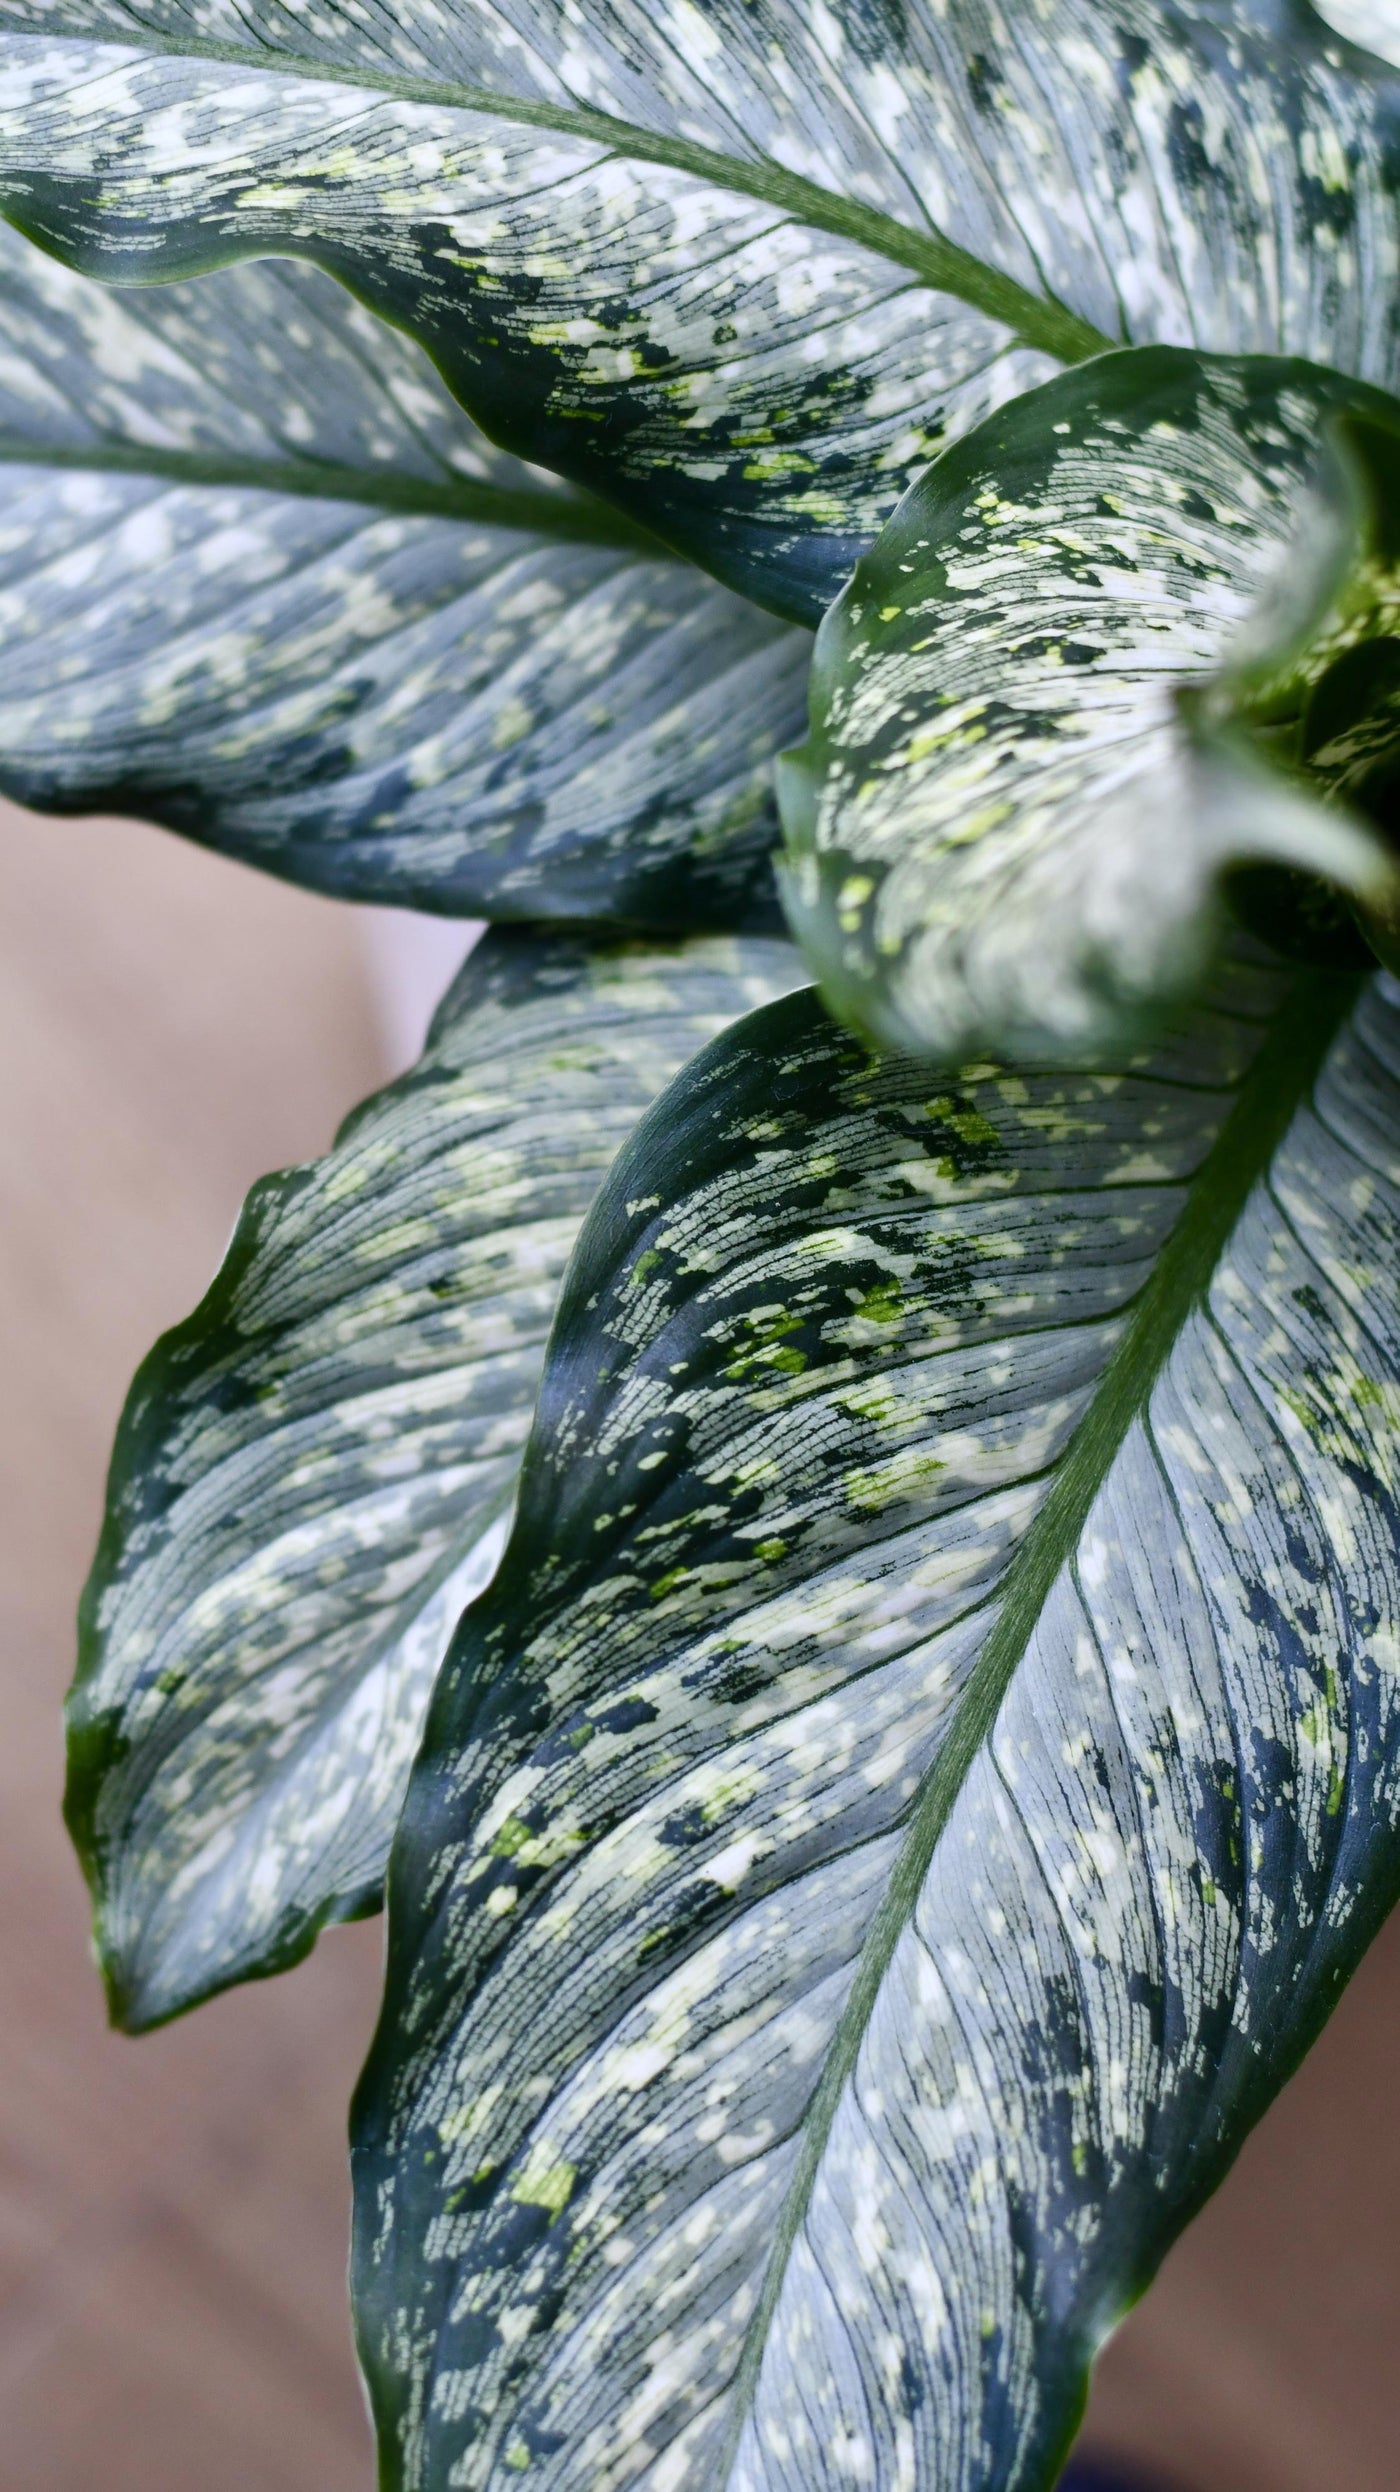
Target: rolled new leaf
{"x":313,"y":1474}
{"x":923,"y":1771}
{"x":263,"y":581}
{"x":1058,"y":701}
{"x":744,"y":271}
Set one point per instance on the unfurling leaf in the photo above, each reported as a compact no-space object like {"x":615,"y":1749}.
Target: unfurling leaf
{"x":1056,"y":702}
{"x":922,"y":1772}
{"x":313,"y":1473}
{"x":744,"y":270}
{"x":263,"y":581}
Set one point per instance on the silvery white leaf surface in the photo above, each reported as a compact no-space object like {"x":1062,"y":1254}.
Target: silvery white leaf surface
{"x":744,"y":267}
{"x":926,"y":1764}
{"x":315,"y":1471}
{"x":261,"y":579}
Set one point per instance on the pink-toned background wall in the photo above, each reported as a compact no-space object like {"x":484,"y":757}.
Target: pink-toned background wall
{"x":173,"y":2212}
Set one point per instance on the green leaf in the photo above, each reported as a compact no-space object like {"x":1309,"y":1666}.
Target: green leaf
{"x":313,"y":1473}
{"x":1056,"y":702}
{"x":926,"y":1764}
{"x":262,"y":580}
{"x":744,"y":270}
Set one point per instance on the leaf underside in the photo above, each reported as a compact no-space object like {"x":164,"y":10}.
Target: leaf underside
{"x":923,"y":1769}
{"x":313,"y":1473}
{"x":743,"y":269}
{"x":1027,"y":771}
{"x":262,"y":580}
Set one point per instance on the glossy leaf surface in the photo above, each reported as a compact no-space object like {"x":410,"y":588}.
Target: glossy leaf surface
{"x":744,"y":268}
{"x":314,"y":1472}
{"x":922,"y":1771}
{"x":261,"y":579}
{"x":1056,"y":702}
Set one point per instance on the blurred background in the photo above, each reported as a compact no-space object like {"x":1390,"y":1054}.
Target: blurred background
{"x":173,"y":2211}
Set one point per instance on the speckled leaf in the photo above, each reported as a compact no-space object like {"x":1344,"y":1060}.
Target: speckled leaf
{"x":262,"y":580}
{"x":1055,"y":704}
{"x":925,"y":1766}
{"x":742,"y":265}
{"x":1375,"y":24}
{"x":313,"y":1473}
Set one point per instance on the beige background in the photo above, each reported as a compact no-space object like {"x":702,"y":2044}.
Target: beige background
{"x":173,"y":2211}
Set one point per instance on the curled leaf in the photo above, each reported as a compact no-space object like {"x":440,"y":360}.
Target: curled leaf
{"x":743,"y":270}
{"x":1077,"y":680}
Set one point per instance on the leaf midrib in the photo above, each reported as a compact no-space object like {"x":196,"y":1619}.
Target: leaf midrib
{"x":571,"y":516}
{"x":1280,"y":1078}
{"x":1041,"y":321}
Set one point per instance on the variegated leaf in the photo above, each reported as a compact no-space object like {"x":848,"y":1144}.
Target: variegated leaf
{"x":925,"y":1766}
{"x":314,"y":1472}
{"x":1374,"y":24}
{"x":1045,"y":710}
{"x":744,"y":267}
{"x":262,"y":580}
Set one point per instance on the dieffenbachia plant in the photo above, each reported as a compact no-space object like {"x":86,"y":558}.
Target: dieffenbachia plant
{"x":817,"y":1508}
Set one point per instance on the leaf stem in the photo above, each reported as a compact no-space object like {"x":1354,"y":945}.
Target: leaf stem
{"x":573,"y":515}
{"x":1281,"y":1076}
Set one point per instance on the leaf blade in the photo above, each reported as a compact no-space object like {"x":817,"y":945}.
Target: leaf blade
{"x":1032,"y":757}
{"x":314,"y":1472}
{"x":1284,"y":1070}
{"x":671,"y":1761}
{"x":806,"y":165}
{"x":264,"y":582}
